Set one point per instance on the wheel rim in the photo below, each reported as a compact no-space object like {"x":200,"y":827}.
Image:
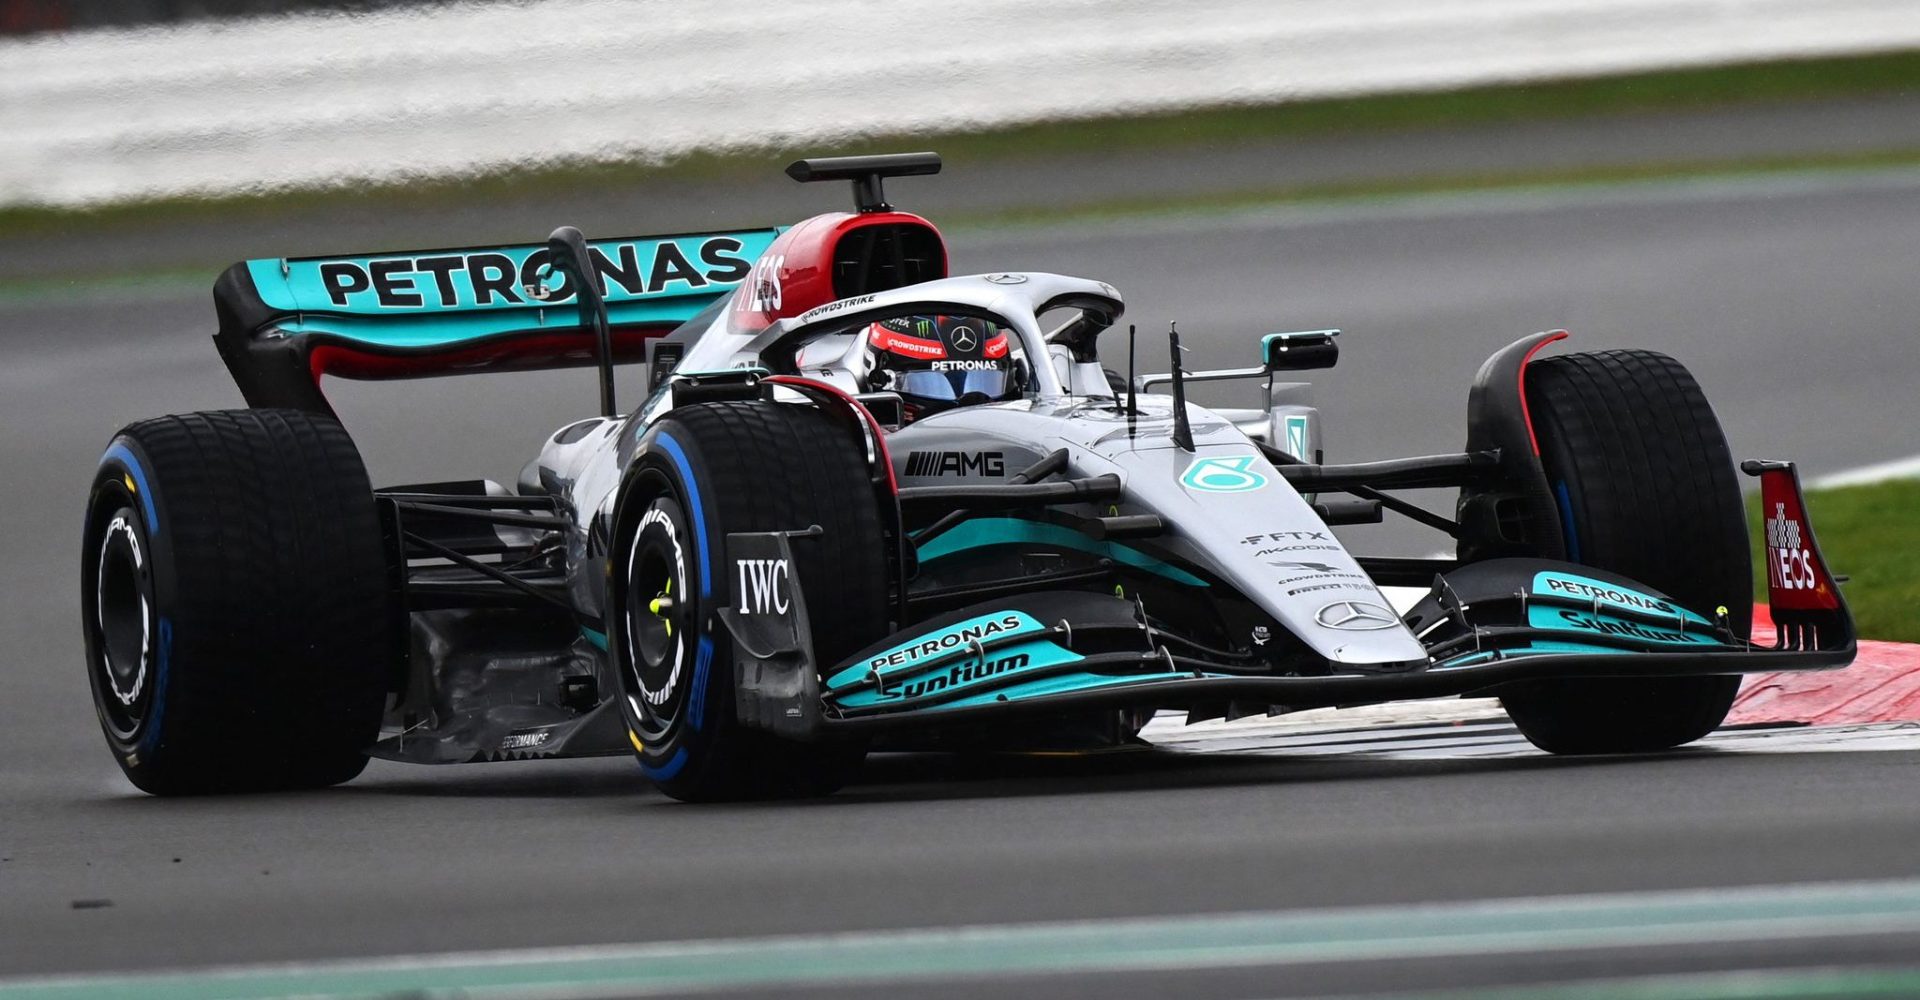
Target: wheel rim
{"x":123,"y":624}
{"x":658,"y":651}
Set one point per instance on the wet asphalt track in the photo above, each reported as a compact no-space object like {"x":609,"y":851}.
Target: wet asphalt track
{"x":1795,"y":301}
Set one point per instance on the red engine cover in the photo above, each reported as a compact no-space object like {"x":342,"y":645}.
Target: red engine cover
{"x":797,"y":272}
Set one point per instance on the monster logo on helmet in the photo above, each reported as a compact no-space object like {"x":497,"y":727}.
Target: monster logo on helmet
{"x":939,"y":362}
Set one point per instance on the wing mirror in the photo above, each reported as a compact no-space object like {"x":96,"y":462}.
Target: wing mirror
{"x":1279,"y":352}
{"x":1299,"y":351}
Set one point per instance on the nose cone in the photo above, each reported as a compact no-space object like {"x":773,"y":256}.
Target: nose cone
{"x":1248,"y":526}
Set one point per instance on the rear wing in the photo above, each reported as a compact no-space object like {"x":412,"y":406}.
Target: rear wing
{"x":285,"y":322}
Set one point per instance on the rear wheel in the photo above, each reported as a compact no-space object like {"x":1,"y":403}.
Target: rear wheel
{"x":710,"y":469}
{"x":239,"y":627}
{"x":1646,"y":488}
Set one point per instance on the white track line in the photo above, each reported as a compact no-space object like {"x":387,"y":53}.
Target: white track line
{"x":1494,"y":737}
{"x":1278,"y":938}
{"x":1903,"y":468}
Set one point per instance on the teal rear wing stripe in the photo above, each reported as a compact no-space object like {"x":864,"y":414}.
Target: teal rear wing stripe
{"x":443,"y":298}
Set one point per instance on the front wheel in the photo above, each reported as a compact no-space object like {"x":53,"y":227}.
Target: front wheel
{"x":704,"y":471}
{"x":1646,"y":488}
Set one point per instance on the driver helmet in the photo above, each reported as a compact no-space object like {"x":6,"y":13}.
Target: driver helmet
{"x":939,"y":362}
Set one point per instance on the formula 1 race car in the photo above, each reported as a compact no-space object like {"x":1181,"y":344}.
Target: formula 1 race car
{"x":869,"y":505}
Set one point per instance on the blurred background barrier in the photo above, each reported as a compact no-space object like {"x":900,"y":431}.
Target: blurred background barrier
{"x":21,"y":17}
{"x":389,"y":93}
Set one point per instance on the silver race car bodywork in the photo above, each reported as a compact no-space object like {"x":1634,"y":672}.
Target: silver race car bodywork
{"x":1087,"y":550}
{"x":1235,"y":516}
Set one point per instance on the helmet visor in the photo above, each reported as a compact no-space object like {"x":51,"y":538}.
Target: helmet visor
{"x":952,"y":385}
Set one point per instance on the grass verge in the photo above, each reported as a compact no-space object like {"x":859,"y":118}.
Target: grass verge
{"x":1870,"y":535}
{"x":1685,"y":89}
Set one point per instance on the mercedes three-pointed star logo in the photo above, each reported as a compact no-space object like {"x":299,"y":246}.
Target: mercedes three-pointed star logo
{"x":1356,"y":616}
{"x":964,"y":339}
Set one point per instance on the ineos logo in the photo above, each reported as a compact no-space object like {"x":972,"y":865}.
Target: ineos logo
{"x":764,"y":586}
{"x":1356,"y":616}
{"x":764,"y":293}
{"x":1789,"y":563}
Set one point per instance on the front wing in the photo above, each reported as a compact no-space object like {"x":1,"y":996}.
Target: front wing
{"x":1485,"y":626}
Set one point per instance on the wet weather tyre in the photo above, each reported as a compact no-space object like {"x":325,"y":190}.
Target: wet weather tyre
{"x":708,"y":470}
{"x":1646,"y":488}
{"x":239,"y":624}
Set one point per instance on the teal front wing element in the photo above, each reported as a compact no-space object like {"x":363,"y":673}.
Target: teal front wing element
{"x":1042,"y":687}
{"x":978,"y":661}
{"x":437,"y":298}
{"x":1530,"y":649}
{"x":993,"y":665}
{"x":938,"y":646}
{"x":1540,"y":647}
{"x":987,"y":532}
{"x":983,"y":651}
{"x":1064,"y":684}
{"x":1585,"y":621}
{"x":1609,"y":612}
{"x":1610,"y":595}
